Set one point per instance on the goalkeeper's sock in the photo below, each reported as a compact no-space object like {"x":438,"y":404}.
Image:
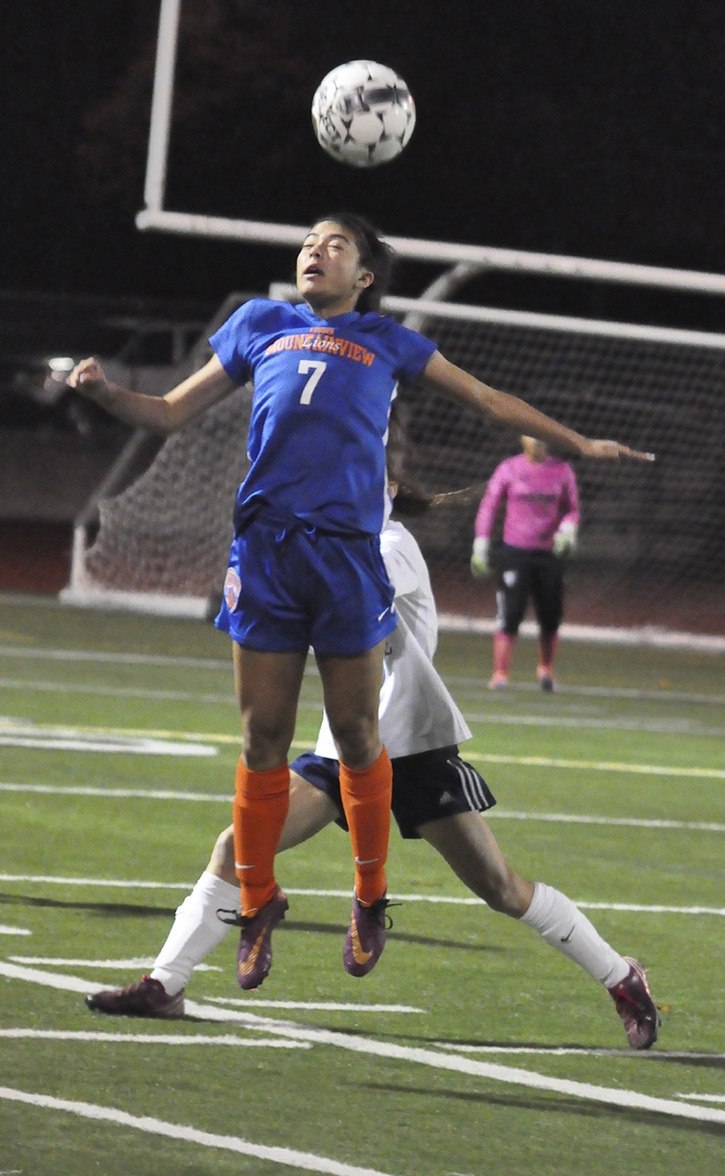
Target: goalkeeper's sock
{"x":366,"y":797}
{"x":563,"y":926}
{"x":548,"y":643}
{"x":195,"y":932}
{"x":503,"y":648}
{"x":261,"y":801}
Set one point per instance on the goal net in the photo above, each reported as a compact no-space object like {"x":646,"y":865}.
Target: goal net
{"x":651,"y":553}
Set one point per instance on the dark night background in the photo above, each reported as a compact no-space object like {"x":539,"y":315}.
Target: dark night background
{"x":585,"y":127}
{"x":590,"y":128}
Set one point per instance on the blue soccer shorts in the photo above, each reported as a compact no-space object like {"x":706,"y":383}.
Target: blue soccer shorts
{"x":291,"y":587}
{"x":426,"y":787}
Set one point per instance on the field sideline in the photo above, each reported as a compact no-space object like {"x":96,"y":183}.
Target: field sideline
{"x":473,"y":1047}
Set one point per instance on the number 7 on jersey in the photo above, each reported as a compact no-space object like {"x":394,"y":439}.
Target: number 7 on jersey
{"x":316,"y":367}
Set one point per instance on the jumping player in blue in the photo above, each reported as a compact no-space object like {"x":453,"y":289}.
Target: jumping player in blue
{"x":305,"y":567}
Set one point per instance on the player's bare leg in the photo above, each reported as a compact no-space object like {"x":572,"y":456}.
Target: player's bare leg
{"x":470,"y":848}
{"x":351,"y":687}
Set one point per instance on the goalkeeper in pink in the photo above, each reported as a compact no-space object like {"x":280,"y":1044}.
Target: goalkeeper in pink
{"x":540,"y":528}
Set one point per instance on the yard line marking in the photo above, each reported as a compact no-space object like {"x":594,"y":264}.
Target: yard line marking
{"x":582,"y":1051}
{"x":570,"y":690}
{"x":633,"y":822}
{"x":111,"y":657}
{"x":650,"y":726}
{"x":117,"y":793}
{"x":152,"y":1038}
{"x":222,"y":798}
{"x":715,"y":1098}
{"x":5,"y":930}
{"x":142,"y":692}
{"x":323,"y":1006}
{"x":431,"y":1058}
{"x":540,"y":719}
{"x":73,"y":739}
{"x":540,"y":761}
{"x":446,"y":900}
{"x":276,"y":1155}
{"x":121,"y":965}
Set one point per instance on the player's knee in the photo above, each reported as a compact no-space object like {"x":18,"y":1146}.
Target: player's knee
{"x":502,"y":893}
{"x":266,"y":744}
{"x":357,"y":742}
{"x":221,"y":862}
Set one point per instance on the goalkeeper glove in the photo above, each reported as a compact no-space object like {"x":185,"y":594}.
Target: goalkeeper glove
{"x":480,"y":566}
{"x":565,"y":539}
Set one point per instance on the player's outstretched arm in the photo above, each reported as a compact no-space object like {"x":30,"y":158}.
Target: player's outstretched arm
{"x":506,"y":409}
{"x":161,"y":414}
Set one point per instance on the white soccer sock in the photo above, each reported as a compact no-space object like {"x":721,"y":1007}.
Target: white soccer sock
{"x":563,"y":926}
{"x":196,"y":930}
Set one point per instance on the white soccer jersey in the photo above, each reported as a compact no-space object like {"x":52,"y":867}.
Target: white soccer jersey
{"x":416,"y":711}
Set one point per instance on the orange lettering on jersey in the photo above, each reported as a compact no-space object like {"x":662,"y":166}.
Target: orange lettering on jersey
{"x":322,"y":339}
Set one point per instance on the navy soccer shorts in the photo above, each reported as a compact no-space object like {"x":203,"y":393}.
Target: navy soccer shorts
{"x":426,"y":787}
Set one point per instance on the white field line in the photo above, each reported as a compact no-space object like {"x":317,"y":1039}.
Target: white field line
{"x":615,"y":766}
{"x":151,"y":1038}
{"x":17,"y":652}
{"x":226,"y":739}
{"x":540,"y":719}
{"x":713,"y":1098}
{"x":424,"y":1057}
{"x":572,"y":1051}
{"x":225,"y":798}
{"x":120,"y":965}
{"x":129,"y":884}
{"x":320,"y":1006}
{"x":648,"y":726}
{"x":45,"y":686}
{"x":305,"y":1161}
{"x":107,"y":744}
{"x":113,"y":657}
{"x":5,"y":930}
{"x":445,"y":900}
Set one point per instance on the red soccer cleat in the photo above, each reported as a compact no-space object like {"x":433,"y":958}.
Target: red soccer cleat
{"x":636,"y":1007}
{"x":145,"y":998}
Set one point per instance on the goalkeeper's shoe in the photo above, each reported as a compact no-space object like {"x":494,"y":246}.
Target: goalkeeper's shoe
{"x":498,"y":681}
{"x":635,"y":1006}
{"x":254,"y":957}
{"x":145,"y":998}
{"x":366,"y":936}
{"x":546,"y":679}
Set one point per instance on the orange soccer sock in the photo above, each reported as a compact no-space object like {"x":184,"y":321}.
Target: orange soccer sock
{"x":261,"y":800}
{"x":366,"y":799}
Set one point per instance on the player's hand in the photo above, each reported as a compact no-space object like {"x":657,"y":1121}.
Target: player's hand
{"x":480,"y":567}
{"x":88,"y":378}
{"x":565,"y":539}
{"x":613,"y":451}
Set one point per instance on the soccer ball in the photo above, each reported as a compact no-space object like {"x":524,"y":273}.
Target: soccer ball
{"x":363,"y":114}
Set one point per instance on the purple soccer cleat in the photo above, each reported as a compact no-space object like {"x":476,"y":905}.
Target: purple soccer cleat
{"x":366,"y":934}
{"x":254,"y":957}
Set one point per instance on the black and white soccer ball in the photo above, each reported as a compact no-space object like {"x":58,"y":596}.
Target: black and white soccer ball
{"x":363,"y":113}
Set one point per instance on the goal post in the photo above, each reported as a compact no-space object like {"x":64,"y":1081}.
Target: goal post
{"x":652,"y":548}
{"x":652,"y":552}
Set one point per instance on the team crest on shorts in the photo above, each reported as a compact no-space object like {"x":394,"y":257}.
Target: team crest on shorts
{"x":232,"y":588}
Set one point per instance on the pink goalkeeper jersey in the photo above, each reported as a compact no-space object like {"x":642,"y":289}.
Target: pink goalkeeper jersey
{"x":539,"y":496}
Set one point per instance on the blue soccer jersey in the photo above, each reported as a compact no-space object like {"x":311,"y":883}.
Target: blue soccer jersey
{"x":322,"y":395}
